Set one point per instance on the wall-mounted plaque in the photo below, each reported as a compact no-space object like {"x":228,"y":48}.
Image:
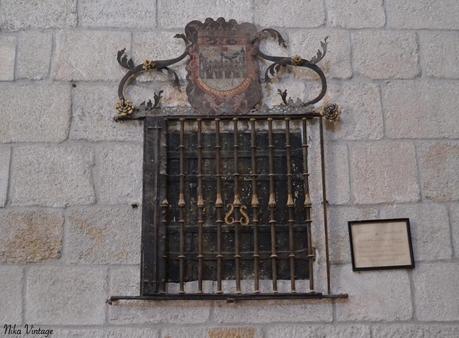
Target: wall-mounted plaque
{"x":381,"y":244}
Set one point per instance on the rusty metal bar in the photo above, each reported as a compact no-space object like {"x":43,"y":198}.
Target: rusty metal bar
{"x":290,"y":205}
{"x":200,"y":205}
{"x":162,"y":245}
{"x":272,"y":204}
{"x":325,"y":202}
{"x":218,"y":206}
{"x":307,"y":202}
{"x":181,"y":205}
{"x":236,"y":206}
{"x":255,"y":205}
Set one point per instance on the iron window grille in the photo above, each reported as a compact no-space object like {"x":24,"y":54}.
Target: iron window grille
{"x":226,"y":196}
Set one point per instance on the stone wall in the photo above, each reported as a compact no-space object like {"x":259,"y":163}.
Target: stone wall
{"x":69,"y":175}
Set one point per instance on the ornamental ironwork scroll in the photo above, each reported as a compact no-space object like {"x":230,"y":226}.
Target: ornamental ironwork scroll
{"x":226,"y":194}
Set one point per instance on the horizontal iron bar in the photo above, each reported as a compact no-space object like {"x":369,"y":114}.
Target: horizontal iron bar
{"x":306,"y":115}
{"x":230,"y":297}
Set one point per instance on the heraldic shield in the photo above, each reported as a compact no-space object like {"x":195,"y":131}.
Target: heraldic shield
{"x":223,"y":73}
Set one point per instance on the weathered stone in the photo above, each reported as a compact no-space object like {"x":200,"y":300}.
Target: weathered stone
{"x":30,"y":235}
{"x":34,"y":54}
{"x":383,"y":172}
{"x":63,"y":295}
{"x":356,"y":14}
{"x":373,"y":295}
{"x":454,"y":215}
{"x":103,"y":235}
{"x":125,"y":280}
{"x":11,"y":280}
{"x":289,"y":13}
{"x":177,"y":13}
{"x":34,"y":112}
{"x":417,"y":331}
{"x":435,"y":290}
{"x":7,"y":56}
{"x":337,"y":171}
{"x":385,"y":54}
{"x":55,"y":176}
{"x":273,"y":311}
{"x":108,"y":332}
{"x":335,"y":331}
{"x":439,"y":166}
{"x":420,"y":14}
{"x":93,"y":112}
{"x":361,"y":116}
{"x":16,"y":15}
{"x":429,"y":228}
{"x":440,"y":54}
{"x":118,"y":173}
{"x":89,"y":55}
{"x":339,"y":234}
{"x":118,"y":13}
{"x":337,"y":61}
{"x":212,"y":332}
{"x":5,"y":156}
{"x":421,"y":109}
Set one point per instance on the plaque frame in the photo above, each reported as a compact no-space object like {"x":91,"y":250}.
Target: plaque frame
{"x":404,"y":222}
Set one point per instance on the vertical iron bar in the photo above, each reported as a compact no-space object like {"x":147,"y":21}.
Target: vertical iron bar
{"x":272,"y":204}
{"x":290,"y":206}
{"x":200,"y":205}
{"x":255,"y":205}
{"x":162,"y":240}
{"x":307,"y":203}
{"x":181,"y":205}
{"x":218,"y":206}
{"x":236,"y":205}
{"x":325,"y":202}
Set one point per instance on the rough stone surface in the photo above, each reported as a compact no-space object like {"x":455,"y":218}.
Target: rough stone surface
{"x":337,"y":172}
{"x":273,"y":311}
{"x":30,"y":235}
{"x":440,"y":54}
{"x":93,"y":112}
{"x":34,"y":112}
{"x":5,"y":157}
{"x":383,"y":172}
{"x":118,"y":173}
{"x":361,"y":116}
{"x":356,"y":14}
{"x":51,"y":290}
{"x":329,"y":331}
{"x":336,"y":63}
{"x":429,"y":228}
{"x":34,"y":54}
{"x":110,"y":332}
{"x":339,"y":233}
{"x":177,"y":13}
{"x":419,"y":330}
{"x":420,"y":14}
{"x":435,"y":290}
{"x":7,"y":56}
{"x":118,"y":13}
{"x":16,"y":15}
{"x":103,"y":235}
{"x":212,"y":332}
{"x":89,"y":55}
{"x":54,"y":176}
{"x":385,"y":55}
{"x":454,"y":216}
{"x":289,"y":13}
{"x":125,"y":281}
{"x":373,"y":295}
{"x":11,"y":279}
{"x":439,"y":166}
{"x":421,"y":109}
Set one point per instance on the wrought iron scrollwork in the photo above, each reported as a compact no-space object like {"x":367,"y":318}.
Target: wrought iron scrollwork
{"x":127,"y":110}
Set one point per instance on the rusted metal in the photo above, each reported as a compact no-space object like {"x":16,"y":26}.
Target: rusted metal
{"x":272,"y":204}
{"x":290,"y":205}
{"x":200,"y":205}
{"x":181,"y":205}
{"x":236,"y":206}
{"x":218,"y":205}
{"x":255,"y":204}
